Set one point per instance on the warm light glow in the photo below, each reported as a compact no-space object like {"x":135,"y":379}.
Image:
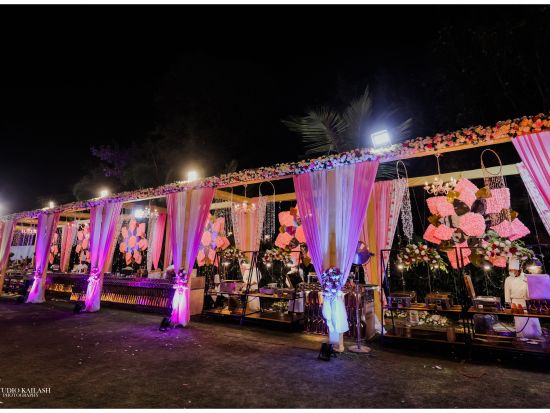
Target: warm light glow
{"x":381,"y":138}
{"x":486,"y":267}
{"x":226,"y":263}
{"x":400,"y":266}
{"x":103,"y":193}
{"x":51,"y":204}
{"x":192,"y":175}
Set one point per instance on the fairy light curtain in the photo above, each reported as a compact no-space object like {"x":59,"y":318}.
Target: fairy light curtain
{"x":535,"y":195}
{"x":103,"y":223}
{"x":187,"y":212}
{"x":47,"y":225}
{"x":332,"y":206}
{"x":534,"y":151}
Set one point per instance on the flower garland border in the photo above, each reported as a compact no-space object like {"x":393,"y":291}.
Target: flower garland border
{"x":474,"y":135}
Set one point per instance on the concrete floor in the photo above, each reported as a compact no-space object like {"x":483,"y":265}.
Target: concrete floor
{"x":118,"y":359}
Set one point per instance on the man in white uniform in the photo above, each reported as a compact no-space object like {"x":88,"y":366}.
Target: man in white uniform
{"x":516,"y":292}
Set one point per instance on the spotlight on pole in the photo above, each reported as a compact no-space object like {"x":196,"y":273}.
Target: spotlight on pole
{"x":192,"y":175}
{"x":381,"y":138}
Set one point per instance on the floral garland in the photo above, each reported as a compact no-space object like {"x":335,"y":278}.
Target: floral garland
{"x":498,"y":250}
{"x":276,"y":254}
{"x":416,"y":254}
{"x":232,"y":254}
{"x":332,"y":281}
{"x":474,"y":135}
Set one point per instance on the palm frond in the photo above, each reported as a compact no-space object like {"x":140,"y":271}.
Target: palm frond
{"x":356,"y":116}
{"x":321,"y":130}
{"x":403,"y":131}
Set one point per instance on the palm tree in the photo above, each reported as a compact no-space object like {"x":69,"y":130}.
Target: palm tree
{"x":327,"y":130}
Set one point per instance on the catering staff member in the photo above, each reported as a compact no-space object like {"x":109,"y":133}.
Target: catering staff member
{"x":516,"y":292}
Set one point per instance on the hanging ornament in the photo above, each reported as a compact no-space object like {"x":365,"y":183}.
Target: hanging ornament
{"x":500,"y":199}
{"x":406,"y":212}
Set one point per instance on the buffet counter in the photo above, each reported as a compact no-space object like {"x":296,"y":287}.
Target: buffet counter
{"x":141,"y":294}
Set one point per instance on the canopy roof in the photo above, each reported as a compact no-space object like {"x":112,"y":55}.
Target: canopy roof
{"x":442,"y":142}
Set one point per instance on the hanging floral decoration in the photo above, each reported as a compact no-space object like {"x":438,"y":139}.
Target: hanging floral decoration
{"x":277,"y":254}
{"x":54,"y":248}
{"x":462,"y":218}
{"x":332,"y":281}
{"x":134,"y":241}
{"x":213,"y":239}
{"x":83,"y":243}
{"x":468,"y":136}
{"x":421,"y":254}
{"x":234,"y":254}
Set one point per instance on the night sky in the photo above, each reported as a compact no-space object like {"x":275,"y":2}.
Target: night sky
{"x":76,"y":76}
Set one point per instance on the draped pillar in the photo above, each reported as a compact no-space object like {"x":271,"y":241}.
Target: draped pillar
{"x":332,"y":207}
{"x":534,"y":151}
{"x":187,"y":212}
{"x":103,"y":222}
{"x":6,"y":237}
{"x":47,"y":224}
{"x":67,"y":238}
{"x":380,"y":224}
{"x":155,"y":242}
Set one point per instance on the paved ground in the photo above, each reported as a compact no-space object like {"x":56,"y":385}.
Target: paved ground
{"x":117,"y":359}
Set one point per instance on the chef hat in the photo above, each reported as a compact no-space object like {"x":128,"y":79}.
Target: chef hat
{"x":513,"y":264}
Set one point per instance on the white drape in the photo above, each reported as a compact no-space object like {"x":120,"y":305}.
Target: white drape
{"x":535,"y":196}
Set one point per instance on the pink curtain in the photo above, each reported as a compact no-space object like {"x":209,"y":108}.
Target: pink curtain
{"x":332,"y":207}
{"x":534,"y":151}
{"x":6,"y":237}
{"x":103,"y":223}
{"x":387,"y":198}
{"x":67,"y":238}
{"x":47,"y":224}
{"x":187,"y":212}
{"x":157,"y":236}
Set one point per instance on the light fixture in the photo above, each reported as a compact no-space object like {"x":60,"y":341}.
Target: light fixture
{"x":486,"y":265}
{"x":438,"y":187}
{"x":400,"y":266}
{"x":51,"y":204}
{"x":225,"y":263}
{"x":103,"y":193}
{"x":245,"y":206}
{"x":381,"y":138}
{"x":192,"y":175}
{"x":146,"y":213}
{"x":534,"y":266}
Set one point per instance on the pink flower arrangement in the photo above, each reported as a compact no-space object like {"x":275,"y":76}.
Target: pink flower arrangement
{"x":472,"y":224}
